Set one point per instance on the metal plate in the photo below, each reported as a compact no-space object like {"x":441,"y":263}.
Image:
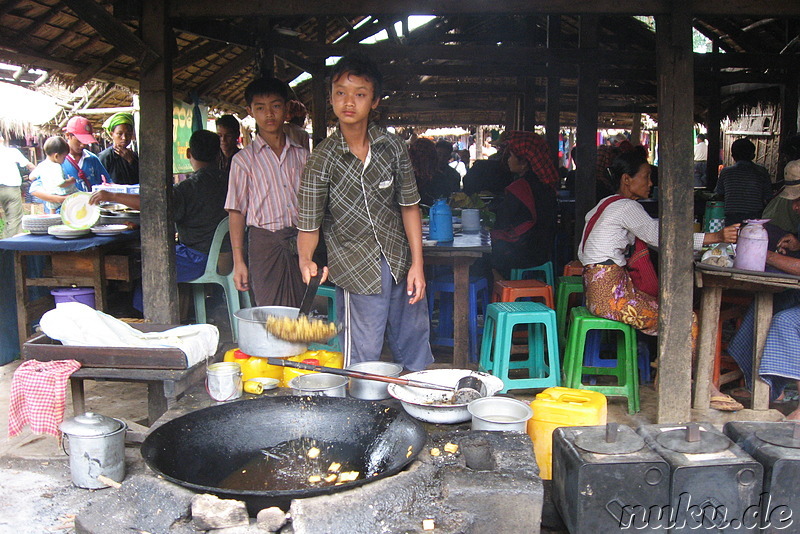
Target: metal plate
{"x":708,"y":443}
{"x":780,"y":434}
{"x":594,"y":440}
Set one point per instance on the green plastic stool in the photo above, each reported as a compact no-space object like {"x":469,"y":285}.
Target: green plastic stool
{"x":329,"y":292}
{"x":567,"y":285}
{"x":625,"y":371}
{"x":546,"y":268}
{"x":498,"y":331}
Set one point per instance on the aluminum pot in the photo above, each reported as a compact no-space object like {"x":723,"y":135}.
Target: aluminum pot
{"x":96,"y":447}
{"x":499,"y":413}
{"x":434,"y":406}
{"x":254,"y":340}
{"x":372,"y":389}
{"x":319,"y":384}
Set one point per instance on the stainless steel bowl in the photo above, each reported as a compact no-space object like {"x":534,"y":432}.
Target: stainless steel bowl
{"x":320,"y":384}
{"x":254,"y":339}
{"x":499,"y":413}
{"x":372,"y":389}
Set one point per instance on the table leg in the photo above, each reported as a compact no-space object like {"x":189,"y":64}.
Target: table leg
{"x":762,"y":320}
{"x":157,"y":401}
{"x":99,"y":279}
{"x":78,"y":399}
{"x":20,"y":272}
{"x":461,"y":312}
{"x":706,"y":345}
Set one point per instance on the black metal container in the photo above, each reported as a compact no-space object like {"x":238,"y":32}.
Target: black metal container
{"x":776,"y":446}
{"x":605,"y":479}
{"x":713,"y":482}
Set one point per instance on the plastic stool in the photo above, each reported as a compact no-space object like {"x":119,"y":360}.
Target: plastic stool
{"x":592,"y":355}
{"x":328,"y":292}
{"x":511,"y":290}
{"x":625,"y":370}
{"x":501,"y":318}
{"x":546,"y":268}
{"x":573,"y":268}
{"x":567,"y":286}
{"x":478,"y":289}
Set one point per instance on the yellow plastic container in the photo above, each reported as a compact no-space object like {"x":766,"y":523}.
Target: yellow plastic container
{"x":556,"y":407}
{"x":325,"y":358}
{"x":253,"y":366}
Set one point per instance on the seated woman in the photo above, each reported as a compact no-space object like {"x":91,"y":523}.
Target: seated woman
{"x":120,"y":161}
{"x":526,"y":219}
{"x":610,"y":292}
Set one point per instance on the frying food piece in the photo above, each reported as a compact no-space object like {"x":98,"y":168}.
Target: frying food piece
{"x":301,"y":329}
{"x":335,"y":467}
{"x":428,"y":524}
{"x":348,"y":476}
{"x":331,"y":478}
{"x":435,"y":452}
{"x":452,"y":448}
{"x":313,"y":479}
{"x":410,"y":451}
{"x":313,"y":452}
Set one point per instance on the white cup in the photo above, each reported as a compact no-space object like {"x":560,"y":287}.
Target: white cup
{"x":471,"y":220}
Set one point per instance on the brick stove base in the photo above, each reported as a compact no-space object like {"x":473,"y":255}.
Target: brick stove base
{"x":491,"y":485}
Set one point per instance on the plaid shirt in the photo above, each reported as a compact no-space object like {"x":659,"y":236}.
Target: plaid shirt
{"x":358,"y":207}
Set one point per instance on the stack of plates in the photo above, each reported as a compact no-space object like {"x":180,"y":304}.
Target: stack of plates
{"x":109,"y":229}
{"x":38,"y":224}
{"x":63,"y":231}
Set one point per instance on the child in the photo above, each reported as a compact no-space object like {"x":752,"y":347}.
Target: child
{"x":262,"y":195}
{"x":51,"y":173}
{"x":359,"y":186}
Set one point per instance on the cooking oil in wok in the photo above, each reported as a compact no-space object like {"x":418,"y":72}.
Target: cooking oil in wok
{"x":297,"y":464}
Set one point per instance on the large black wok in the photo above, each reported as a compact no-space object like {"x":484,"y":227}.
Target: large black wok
{"x":200,"y":449}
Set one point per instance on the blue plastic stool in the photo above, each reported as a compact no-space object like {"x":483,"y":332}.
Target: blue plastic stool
{"x":444,"y":287}
{"x":329,"y":292}
{"x":592,"y":355}
{"x":531,"y":272}
{"x":501,"y":318}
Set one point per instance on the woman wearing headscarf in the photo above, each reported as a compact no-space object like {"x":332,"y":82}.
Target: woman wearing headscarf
{"x":121,"y":162}
{"x":526,"y":219}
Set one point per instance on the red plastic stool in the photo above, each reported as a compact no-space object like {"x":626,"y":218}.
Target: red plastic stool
{"x":511,"y":290}
{"x":573,"y":268}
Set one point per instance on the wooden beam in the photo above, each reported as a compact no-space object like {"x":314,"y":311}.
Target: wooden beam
{"x":192,"y":54}
{"x":675,"y":82}
{"x":319,"y":101}
{"x":215,"y":9}
{"x":226,"y":73}
{"x":155,"y":161}
{"x":113,"y":31}
{"x":95,"y":68}
{"x":713,"y":123}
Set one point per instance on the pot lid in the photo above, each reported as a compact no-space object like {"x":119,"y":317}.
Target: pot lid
{"x":781,"y":434}
{"x":90,"y":424}
{"x":693,"y":440}
{"x":610,"y":439}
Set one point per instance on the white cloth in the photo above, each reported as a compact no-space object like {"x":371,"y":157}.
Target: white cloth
{"x":618,"y":227}
{"x":701,"y":151}
{"x":9,"y":172}
{"x":52,"y":176}
{"x":73,"y":323}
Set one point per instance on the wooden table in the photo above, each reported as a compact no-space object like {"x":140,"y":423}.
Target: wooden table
{"x":713,"y":280}
{"x":88,"y":262}
{"x":460,"y":253}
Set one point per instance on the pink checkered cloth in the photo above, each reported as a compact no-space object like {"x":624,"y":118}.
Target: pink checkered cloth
{"x":38,"y":395}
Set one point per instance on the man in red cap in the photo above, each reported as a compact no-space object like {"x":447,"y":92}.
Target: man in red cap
{"x":82,"y":164}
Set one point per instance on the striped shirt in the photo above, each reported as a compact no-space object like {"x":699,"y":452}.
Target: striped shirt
{"x":746,"y":189}
{"x":263,"y":186}
{"x":617,"y":228}
{"x":357,"y":204}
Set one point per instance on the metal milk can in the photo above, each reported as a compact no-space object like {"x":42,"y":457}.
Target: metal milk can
{"x":751,"y":247}
{"x":96,"y":447}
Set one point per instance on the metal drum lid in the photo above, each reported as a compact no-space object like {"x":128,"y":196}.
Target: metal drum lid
{"x":610,"y":439}
{"x":781,"y":434}
{"x":691,"y":440}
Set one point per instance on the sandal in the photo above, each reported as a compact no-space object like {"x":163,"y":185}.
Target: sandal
{"x":725,"y":403}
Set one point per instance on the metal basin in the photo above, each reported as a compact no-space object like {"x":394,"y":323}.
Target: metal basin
{"x":254,"y":339}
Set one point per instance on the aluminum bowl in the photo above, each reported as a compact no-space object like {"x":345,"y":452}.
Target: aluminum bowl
{"x":372,"y":389}
{"x":430,"y":405}
{"x":255,"y":340}
{"x":499,"y":413}
{"x":319,"y":384}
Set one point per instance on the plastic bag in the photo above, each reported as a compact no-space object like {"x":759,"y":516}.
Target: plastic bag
{"x":720,"y":254}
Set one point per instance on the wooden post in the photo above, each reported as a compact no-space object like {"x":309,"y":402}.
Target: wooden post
{"x":789,"y":125}
{"x":155,"y":164}
{"x":319,"y":100}
{"x":714,"y":118}
{"x":529,"y":105}
{"x":674,"y":64}
{"x":636,"y":129}
{"x":588,"y":77}
{"x":553,"y":98}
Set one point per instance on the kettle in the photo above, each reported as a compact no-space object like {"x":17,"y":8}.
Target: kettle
{"x":441,"y":221}
{"x":751,"y":247}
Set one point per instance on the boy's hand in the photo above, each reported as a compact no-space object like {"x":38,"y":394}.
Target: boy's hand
{"x":415,"y":284}
{"x":308,"y":269}
{"x":241,"y":276}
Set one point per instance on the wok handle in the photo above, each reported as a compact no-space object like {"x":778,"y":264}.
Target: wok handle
{"x":356,"y":374}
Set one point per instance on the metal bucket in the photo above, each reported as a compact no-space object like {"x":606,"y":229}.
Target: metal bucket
{"x":96,"y":447}
{"x":254,"y":338}
{"x":372,"y":389}
{"x":499,"y":413}
{"x":319,"y":384}
{"x":224,"y":381}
